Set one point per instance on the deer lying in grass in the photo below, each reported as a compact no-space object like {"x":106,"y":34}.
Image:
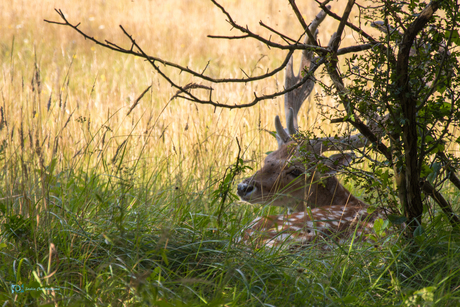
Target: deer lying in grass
{"x":298,"y":175}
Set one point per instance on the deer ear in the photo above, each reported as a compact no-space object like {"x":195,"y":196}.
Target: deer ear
{"x":337,"y":161}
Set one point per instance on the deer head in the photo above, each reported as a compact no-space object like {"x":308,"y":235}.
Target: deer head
{"x":297,"y":174}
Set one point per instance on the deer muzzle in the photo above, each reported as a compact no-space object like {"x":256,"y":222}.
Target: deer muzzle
{"x":245,"y":190}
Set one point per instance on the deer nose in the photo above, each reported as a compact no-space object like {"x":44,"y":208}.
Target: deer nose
{"x":244,"y":188}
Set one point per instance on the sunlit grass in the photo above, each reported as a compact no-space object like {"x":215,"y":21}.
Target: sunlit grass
{"x":117,"y":209}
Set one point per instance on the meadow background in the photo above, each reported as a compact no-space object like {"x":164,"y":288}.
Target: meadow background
{"x":115,"y":209}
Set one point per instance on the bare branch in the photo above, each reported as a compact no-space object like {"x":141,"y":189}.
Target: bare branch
{"x":325,"y":8}
{"x":343,"y":21}
{"x":284,"y":37}
{"x":267,"y":42}
{"x":114,"y":47}
{"x":229,"y":37}
{"x":353,"y":49}
{"x":310,"y":35}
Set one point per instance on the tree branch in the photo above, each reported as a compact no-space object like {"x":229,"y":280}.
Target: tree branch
{"x":341,"y":27}
{"x":130,"y":51}
{"x":310,"y":35}
{"x":213,"y":103}
{"x":324,"y":7}
{"x":442,"y":202}
{"x":267,"y":42}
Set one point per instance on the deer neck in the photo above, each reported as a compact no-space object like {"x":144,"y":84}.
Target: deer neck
{"x":329,"y":192}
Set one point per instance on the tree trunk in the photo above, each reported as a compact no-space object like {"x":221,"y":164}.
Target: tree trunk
{"x":414,"y":206}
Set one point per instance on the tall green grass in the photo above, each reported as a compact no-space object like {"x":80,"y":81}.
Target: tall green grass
{"x":123,"y":210}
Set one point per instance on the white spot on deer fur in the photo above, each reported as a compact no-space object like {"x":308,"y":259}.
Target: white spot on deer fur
{"x":299,"y":238}
{"x":302,"y":236}
{"x":335,"y":223}
{"x":282,"y":237}
{"x":300,"y":215}
{"x":294,"y":228}
{"x":256,"y":220}
{"x":287,"y":224}
{"x":281,"y":218}
{"x":304,"y":239}
{"x":309,"y":224}
{"x":338,"y":214}
{"x":362,"y":212}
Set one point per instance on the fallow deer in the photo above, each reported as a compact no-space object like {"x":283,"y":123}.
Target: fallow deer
{"x":297,"y":175}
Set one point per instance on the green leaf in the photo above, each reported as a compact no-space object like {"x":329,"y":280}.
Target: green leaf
{"x":425,"y":171}
{"x":380,"y":225}
{"x":434,"y":173}
{"x":438,"y":148}
{"x":397,"y":219}
{"x":370,"y":210}
{"x":455,"y":37}
{"x":418,"y":231}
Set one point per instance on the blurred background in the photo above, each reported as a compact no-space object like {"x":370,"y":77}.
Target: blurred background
{"x":73,"y":96}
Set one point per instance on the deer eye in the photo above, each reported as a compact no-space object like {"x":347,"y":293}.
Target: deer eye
{"x":296,"y":172}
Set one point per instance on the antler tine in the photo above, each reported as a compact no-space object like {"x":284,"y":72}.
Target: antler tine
{"x":281,"y":135}
{"x":290,"y":98}
{"x":290,"y":78}
{"x":307,"y":55}
{"x":334,"y":36}
{"x":290,"y":122}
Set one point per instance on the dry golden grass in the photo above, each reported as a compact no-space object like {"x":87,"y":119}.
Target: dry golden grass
{"x":76,"y":106}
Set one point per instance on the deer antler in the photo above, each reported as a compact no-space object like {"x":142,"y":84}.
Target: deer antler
{"x":296,"y":98}
{"x":293,"y":100}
